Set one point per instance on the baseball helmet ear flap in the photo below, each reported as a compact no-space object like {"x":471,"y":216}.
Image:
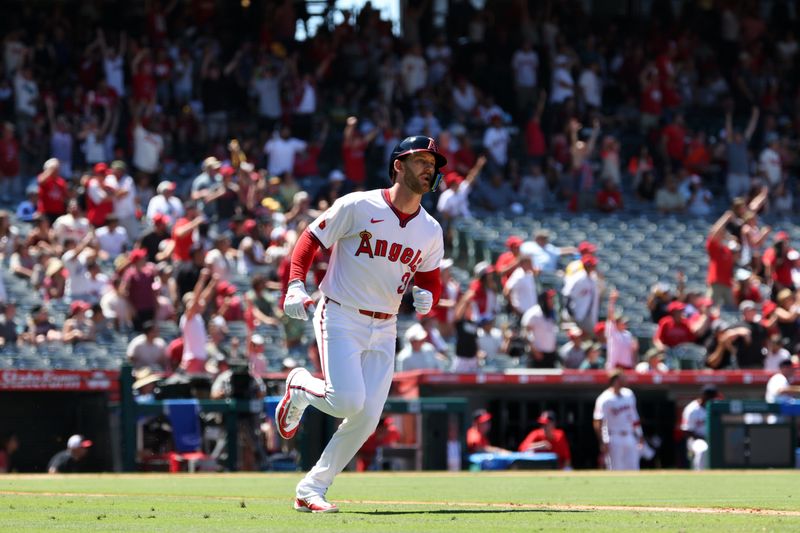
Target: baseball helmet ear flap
{"x":437,"y":179}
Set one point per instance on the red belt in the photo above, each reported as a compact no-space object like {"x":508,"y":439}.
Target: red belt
{"x":371,"y":314}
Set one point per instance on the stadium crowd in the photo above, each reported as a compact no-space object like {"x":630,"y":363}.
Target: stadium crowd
{"x":158,"y":178}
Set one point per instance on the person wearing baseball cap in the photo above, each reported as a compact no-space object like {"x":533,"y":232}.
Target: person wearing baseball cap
{"x":693,"y":424}
{"x":547,"y":438}
{"x":673,"y":329}
{"x":509,"y":260}
{"x":165,"y":202}
{"x":777,"y":264}
{"x":582,"y":294}
{"x":477,"y":434}
{"x":72,"y":459}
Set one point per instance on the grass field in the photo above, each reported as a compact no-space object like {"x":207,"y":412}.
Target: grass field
{"x":476,"y":502}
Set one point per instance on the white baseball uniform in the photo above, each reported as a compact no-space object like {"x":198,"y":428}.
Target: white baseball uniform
{"x":620,"y":428}
{"x":694,"y":420}
{"x":373,"y":259}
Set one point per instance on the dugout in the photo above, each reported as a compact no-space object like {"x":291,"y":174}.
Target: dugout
{"x":516,"y":400}
{"x":752,"y":434}
{"x":430,"y":424}
{"x":44,"y":420}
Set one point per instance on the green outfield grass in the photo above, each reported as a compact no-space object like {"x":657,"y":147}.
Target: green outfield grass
{"x":476,"y":502}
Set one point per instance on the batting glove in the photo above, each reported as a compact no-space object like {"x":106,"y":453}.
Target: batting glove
{"x":423,"y":300}
{"x":297,"y":301}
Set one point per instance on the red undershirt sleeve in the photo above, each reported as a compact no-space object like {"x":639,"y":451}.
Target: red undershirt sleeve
{"x":303,"y":255}
{"x":430,"y":281}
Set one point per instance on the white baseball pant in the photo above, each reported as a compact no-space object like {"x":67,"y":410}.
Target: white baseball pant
{"x":698,"y":453}
{"x":623,"y":452}
{"x":357,"y":358}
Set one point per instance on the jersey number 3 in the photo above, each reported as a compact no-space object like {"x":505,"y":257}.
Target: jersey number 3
{"x":404,"y":283}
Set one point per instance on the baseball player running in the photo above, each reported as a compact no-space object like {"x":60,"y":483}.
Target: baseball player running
{"x":616,"y":422}
{"x":381,"y":241}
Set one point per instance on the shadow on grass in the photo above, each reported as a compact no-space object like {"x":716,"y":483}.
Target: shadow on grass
{"x":469,"y":511}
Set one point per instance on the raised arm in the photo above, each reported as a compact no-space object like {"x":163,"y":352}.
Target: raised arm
{"x":718,"y":229}
{"x":475,"y":170}
{"x":751,"y":126}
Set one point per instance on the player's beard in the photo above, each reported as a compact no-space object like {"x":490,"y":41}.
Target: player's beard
{"x":417,"y":183}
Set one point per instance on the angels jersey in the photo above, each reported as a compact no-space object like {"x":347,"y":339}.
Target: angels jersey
{"x":374,"y":255}
{"x":694,"y":418}
{"x":618,"y":413}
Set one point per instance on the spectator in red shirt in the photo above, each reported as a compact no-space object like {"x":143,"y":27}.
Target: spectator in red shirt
{"x":477,"y":434}
{"x":183,"y":232}
{"x":10,"y":184}
{"x":548,"y":438}
{"x":386,"y":434}
{"x":698,"y":157}
{"x":52,"y":191}
{"x":652,"y":98}
{"x":673,"y":329}
{"x":354,"y":147}
{"x":777,"y":265}
{"x":722,"y":254}
{"x":609,"y":199}
{"x":137,"y":287}
{"x":535,"y":144}
{"x":229,"y":306}
{"x":508,"y":260}
{"x":673,"y":141}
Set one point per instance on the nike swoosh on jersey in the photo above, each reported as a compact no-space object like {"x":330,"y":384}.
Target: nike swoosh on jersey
{"x":375,"y":221}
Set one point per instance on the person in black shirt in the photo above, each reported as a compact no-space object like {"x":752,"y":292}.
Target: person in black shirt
{"x":466,"y":336}
{"x":72,"y":459}
{"x":750,"y":348}
{"x":187,"y":274}
{"x":151,"y":240}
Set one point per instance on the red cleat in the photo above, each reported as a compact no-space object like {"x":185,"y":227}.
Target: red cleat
{"x":287,"y":414}
{"x":314,"y":504}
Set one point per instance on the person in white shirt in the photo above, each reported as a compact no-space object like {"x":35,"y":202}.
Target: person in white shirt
{"x":490,"y":340}
{"x":97,"y":283}
{"x":769,"y":161}
{"x":464,"y":98}
{"x":540,"y":323}
{"x":73,"y":226}
{"x":418,"y":354}
{"x":413,"y":71}
{"x":112,"y":238}
{"x":192,"y":325}
{"x":582,"y":293}
{"x":251,"y":250}
{"x":222,"y":259}
{"x":125,"y":198}
{"x":165,"y":202}
{"x":525,"y":63}
{"x":653,"y":362}
{"x":75,"y":258}
{"x":496,"y":140}
{"x":281,"y":150}
{"x":622,"y":348}
{"x":26,"y":92}
{"x":775,"y":353}
{"x":562,"y":83}
{"x":544,"y":254}
{"x":439,"y":54}
{"x":520,"y":288}
{"x":148,"y":349}
{"x":779,"y":387}
{"x":114,"y":62}
{"x":617,"y":425}
{"x":148,"y":144}
{"x":693,"y":424}
{"x":591,"y":86}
